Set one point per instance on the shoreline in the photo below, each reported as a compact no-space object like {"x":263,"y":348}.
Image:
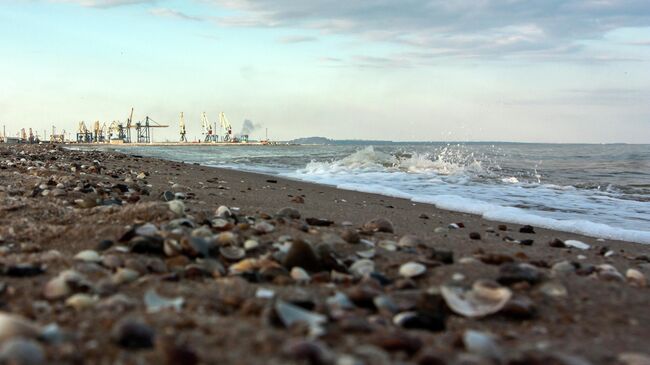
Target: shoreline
{"x":59,"y":203}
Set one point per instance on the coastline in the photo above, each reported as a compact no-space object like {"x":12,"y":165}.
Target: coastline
{"x":599,"y":309}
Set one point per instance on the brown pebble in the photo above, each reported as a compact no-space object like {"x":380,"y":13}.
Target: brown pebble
{"x":475,"y":235}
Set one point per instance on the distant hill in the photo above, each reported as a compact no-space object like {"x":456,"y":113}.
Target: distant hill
{"x":313,"y":140}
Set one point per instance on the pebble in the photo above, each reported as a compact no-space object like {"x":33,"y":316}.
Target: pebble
{"x":13,"y":326}
{"x":350,"y":235}
{"x":410,"y":240}
{"x":512,"y":273}
{"x":289,"y":212}
{"x":576,"y":244}
{"x":319,"y":222}
{"x":300,"y":275}
{"x":520,"y":307}
{"x":156,"y":303}
{"x":362,"y":267}
{"x":232,"y":253}
{"x":81,"y":301}
{"x":251,"y":244}
{"x":483,"y":344}
{"x":301,"y":254}
{"x":124,"y":276}
{"x":133,"y":334}
{"x":557,"y":243}
{"x":475,"y":236}
{"x":177,"y":207}
{"x":412,"y":269}
{"x":609,"y":273}
{"x":88,"y":256}
{"x":419,"y":320}
{"x":633,"y":358}
{"x":21,"y":351}
{"x":290,"y":314}
{"x":527,"y":229}
{"x":308,"y":352}
{"x":636,"y":278}
{"x":563,"y":267}
{"x":379,"y":225}
{"x":263,"y":227}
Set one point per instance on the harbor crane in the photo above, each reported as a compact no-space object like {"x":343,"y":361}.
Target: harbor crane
{"x":144,"y":130}
{"x":226,"y":126}
{"x":206,"y":126}
{"x":181,"y":125}
{"x":83,"y":134}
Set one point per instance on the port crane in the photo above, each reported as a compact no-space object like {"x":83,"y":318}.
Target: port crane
{"x":144,"y":130}
{"x":181,"y":125}
{"x":227,"y":127}
{"x":83,"y":134}
{"x":210,"y":136}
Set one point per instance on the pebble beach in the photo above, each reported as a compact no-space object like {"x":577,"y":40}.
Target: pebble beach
{"x":115,"y":258}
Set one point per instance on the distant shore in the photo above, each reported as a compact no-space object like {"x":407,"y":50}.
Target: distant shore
{"x":230,"y":262}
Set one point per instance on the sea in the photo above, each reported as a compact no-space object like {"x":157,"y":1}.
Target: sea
{"x":598,"y":190}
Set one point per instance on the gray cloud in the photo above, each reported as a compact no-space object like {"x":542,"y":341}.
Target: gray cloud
{"x":171,"y":13}
{"x":466,"y":28}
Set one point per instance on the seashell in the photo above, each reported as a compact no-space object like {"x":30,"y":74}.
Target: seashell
{"x":483,"y":299}
{"x":251,"y":245}
{"x":412,"y":269}
{"x":226,"y":238}
{"x":636,"y":278}
{"x":379,"y":225}
{"x":202,"y":232}
{"x":483,"y":344}
{"x":362,"y":268}
{"x":124,"y":275}
{"x":366,"y":254}
{"x":81,"y":301}
{"x":63,"y":285}
{"x":177,"y":207}
{"x":301,"y":254}
{"x":245,"y":265}
{"x":12,"y":326}
{"x":88,"y":256}
{"x":221,"y":224}
{"x":300,"y":275}
{"x":290,"y":314}
{"x":388,"y":245}
{"x":147,"y":229}
{"x":263,"y":227}
{"x":232,"y":253}
{"x":288,"y":212}
{"x":609,"y":272}
{"x":554,"y":290}
{"x":410,"y":240}
{"x":339,"y":301}
{"x":172,"y":247}
{"x":350,"y":235}
{"x":576,"y":244}
{"x":223,"y":212}
{"x":156,"y":303}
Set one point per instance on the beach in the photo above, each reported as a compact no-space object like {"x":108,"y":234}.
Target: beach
{"x":117,"y":258}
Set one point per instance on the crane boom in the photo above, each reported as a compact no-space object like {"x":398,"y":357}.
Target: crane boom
{"x":181,"y":125}
{"x":227,"y":128}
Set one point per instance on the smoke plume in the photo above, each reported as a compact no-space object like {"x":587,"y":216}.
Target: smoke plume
{"x":249,"y":127}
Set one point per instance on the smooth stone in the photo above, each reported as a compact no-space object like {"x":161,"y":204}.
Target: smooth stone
{"x":388,"y":245}
{"x":362,"y":268}
{"x":475,"y":236}
{"x":251,"y":244}
{"x":520,"y":307}
{"x":633,"y":358}
{"x":289,"y":212}
{"x":168,"y":196}
{"x":417,"y":320}
{"x":81,"y":301}
{"x":483,"y":344}
{"x":412,"y":269}
{"x":379,"y":225}
{"x":410,"y":240}
{"x":124,"y":276}
{"x":290,"y":314}
{"x":13,"y":326}
{"x":527,"y":229}
{"x":88,"y":256}
{"x":350,"y":235}
{"x":177,"y":207}
{"x":609,"y":273}
{"x":301,"y":254}
{"x":554,"y":290}
{"x":232,"y":253}
{"x":22,"y":351}
{"x":563,"y":267}
{"x":319,"y":222}
{"x":636,"y":278}
{"x":512,"y":273}
{"x":133,"y":334}
{"x":300,"y":275}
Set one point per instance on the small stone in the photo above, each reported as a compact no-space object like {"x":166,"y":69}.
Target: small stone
{"x":412,"y":269}
{"x":475,"y":236}
{"x":308,"y":352}
{"x":379,"y":225}
{"x":557,"y":243}
{"x":124,"y":276}
{"x":634,"y":358}
{"x":301,"y":254}
{"x":636,"y":278}
{"x":563,"y":267}
{"x":609,"y":273}
{"x":350,"y":235}
{"x":398,"y":342}
{"x":156,"y":303}
{"x":362,"y":268}
{"x":483,"y":344}
{"x":576,"y":244}
{"x":502,"y":227}
{"x":177,"y":207}
{"x":232,"y":253}
{"x":520,"y":307}
{"x":527,"y":242}
{"x":319,"y":222}
{"x":133,"y":334}
{"x":251,"y":244}
{"x":410,"y":240}
{"x":21,"y":351}
{"x":418,"y":320}
{"x":23,"y":270}
{"x":263,"y":227}
{"x":512,"y":273}
{"x":289,"y":212}
{"x":527,"y":229}
{"x":14,"y":326}
{"x":168,"y":196}
{"x":300,"y":275}
{"x":88,"y":256}
{"x":81,"y":301}
{"x":104,"y":245}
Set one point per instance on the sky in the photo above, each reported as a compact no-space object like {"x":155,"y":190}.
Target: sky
{"x":407,"y":70}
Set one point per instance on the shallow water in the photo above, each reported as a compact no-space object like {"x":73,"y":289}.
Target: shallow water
{"x":598,"y":190}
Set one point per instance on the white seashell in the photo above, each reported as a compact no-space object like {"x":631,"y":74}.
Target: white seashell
{"x":177,"y":207}
{"x":362,"y":267}
{"x":290,"y":314}
{"x":300,"y":275}
{"x":156,"y":303}
{"x":88,"y":256}
{"x":483,"y":299}
{"x":412,"y":269}
{"x":250,"y":245}
{"x":81,"y":301}
{"x":366,"y":254}
{"x":124,"y":275}
{"x":232,"y":253}
{"x":483,"y":344}
{"x":636,"y":278}
{"x":576,"y":244}
{"x":224,"y":212}
{"x":554,"y":290}
{"x":609,"y":272}
{"x":147,"y":229}
{"x":388,"y":245}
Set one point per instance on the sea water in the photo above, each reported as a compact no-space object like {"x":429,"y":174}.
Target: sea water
{"x":601,"y":191}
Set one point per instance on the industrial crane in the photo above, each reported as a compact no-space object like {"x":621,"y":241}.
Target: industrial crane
{"x":227,"y":128}
{"x":206,"y":126}
{"x":181,"y":125}
{"x":83,"y":134}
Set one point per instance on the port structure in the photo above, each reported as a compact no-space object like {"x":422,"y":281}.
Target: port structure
{"x":208,"y":131}
{"x":144,"y":131}
{"x":183,"y":131}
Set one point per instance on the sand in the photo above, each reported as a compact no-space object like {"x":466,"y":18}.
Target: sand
{"x":602,"y":318}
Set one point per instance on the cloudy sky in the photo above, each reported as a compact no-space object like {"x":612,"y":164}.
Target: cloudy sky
{"x":497,"y":70}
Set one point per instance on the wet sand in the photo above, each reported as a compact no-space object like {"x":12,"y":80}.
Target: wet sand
{"x":564,"y":305}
